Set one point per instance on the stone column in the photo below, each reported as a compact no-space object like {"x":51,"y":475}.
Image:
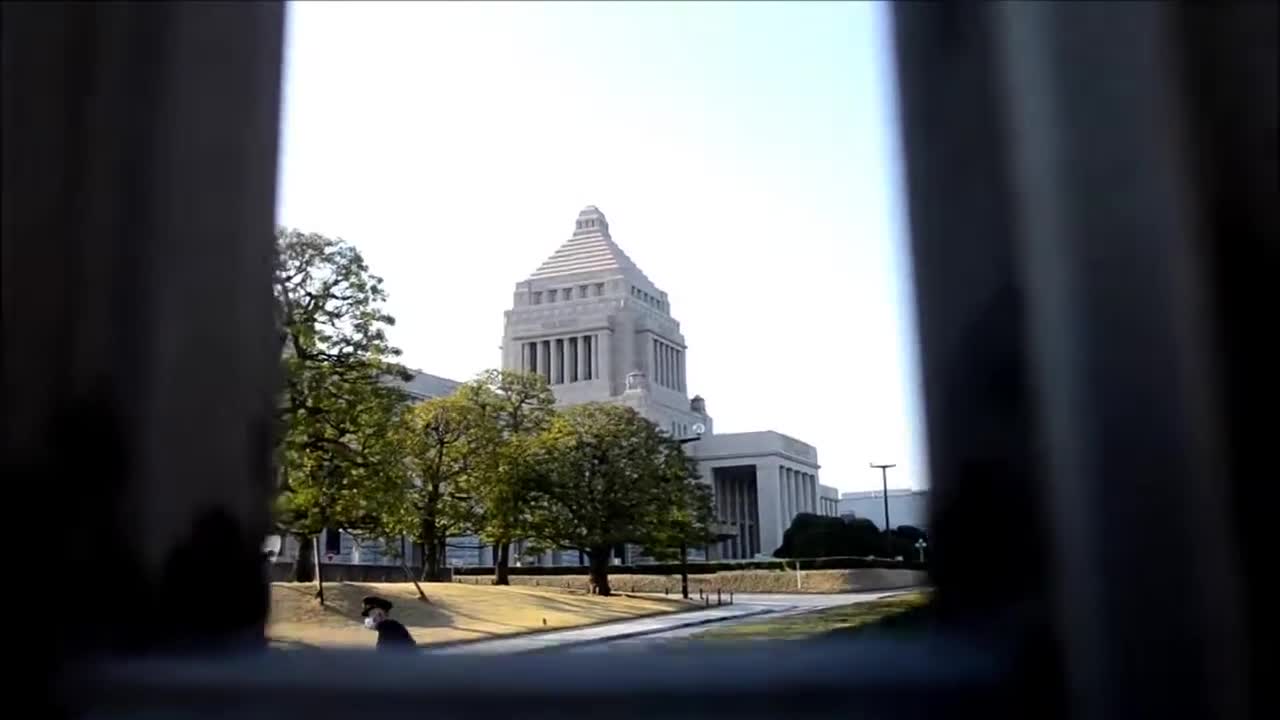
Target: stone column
{"x":604,"y":357}
{"x":768,"y":499}
{"x":670,"y":374}
{"x":557,"y":366}
{"x":785,"y":497}
{"x":544,"y":359}
{"x":666,"y":365}
{"x":581,"y":343}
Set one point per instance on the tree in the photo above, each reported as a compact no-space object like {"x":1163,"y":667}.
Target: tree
{"x":445,"y":440}
{"x":515,"y":408}
{"x":337,"y":454}
{"x":607,"y":477}
{"x":812,"y":536}
{"x":687,"y":521}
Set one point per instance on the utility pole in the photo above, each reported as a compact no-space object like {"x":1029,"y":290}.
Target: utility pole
{"x":884,"y":479}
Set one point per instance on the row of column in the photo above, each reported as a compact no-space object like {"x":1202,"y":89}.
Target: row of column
{"x":668,"y":365}
{"x":563,"y":360}
{"x":829,"y":507}
{"x":799,"y":493}
{"x":736,"y":503}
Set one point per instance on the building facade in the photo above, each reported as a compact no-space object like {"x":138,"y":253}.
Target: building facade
{"x":906,"y":507}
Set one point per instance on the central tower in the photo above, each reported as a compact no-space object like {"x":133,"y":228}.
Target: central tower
{"x":591,"y":323}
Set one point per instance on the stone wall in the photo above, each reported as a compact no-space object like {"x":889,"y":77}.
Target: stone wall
{"x":759,"y":581}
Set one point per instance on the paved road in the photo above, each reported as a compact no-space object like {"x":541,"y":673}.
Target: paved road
{"x":776,"y":605}
{"x":747,"y":606}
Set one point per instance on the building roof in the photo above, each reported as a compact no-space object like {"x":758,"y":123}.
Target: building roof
{"x":590,"y":249}
{"x":893,"y":492}
{"x":424,"y":385}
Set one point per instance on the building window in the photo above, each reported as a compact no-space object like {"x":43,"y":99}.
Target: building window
{"x":332,"y":542}
{"x":582,"y":291}
{"x":599,"y":289}
{"x":537,"y":298}
{"x":551,"y":296}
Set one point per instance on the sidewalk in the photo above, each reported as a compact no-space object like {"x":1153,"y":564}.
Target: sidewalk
{"x":605,"y":632}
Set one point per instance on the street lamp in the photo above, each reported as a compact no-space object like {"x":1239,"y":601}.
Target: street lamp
{"x":884,"y":477}
{"x":698,"y":429}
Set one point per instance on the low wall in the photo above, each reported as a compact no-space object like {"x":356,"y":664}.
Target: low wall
{"x":742,"y":581}
{"x":341,"y":572}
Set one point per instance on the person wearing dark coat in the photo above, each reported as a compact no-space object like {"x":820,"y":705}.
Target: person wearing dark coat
{"x":391,"y":634}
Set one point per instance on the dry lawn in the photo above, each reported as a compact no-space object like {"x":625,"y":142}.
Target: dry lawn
{"x":456,"y":611}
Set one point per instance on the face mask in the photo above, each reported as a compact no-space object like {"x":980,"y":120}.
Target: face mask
{"x":369,"y":623}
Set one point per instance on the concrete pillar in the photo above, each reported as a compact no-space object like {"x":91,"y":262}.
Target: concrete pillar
{"x":557,"y":362}
{"x":769,"y":501}
{"x":785,"y":490}
{"x":604,"y":360}
{"x":581,"y":359}
{"x":667,"y":366}
{"x":544,"y":359}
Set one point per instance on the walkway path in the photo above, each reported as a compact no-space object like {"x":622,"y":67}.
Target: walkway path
{"x":661,"y":627}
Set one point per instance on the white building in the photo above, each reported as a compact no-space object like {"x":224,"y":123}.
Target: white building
{"x":599,"y":330}
{"x":906,"y":507}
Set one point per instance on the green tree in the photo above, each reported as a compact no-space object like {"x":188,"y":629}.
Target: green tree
{"x":515,"y":409}
{"x":446,"y":441}
{"x":687,"y":522}
{"x":338,"y":456}
{"x":607,"y":477}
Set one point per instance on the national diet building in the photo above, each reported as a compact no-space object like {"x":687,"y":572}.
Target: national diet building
{"x":599,"y":330}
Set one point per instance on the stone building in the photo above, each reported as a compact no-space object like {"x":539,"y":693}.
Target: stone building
{"x":599,"y":330}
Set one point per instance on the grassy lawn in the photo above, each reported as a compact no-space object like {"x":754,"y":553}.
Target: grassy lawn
{"x":820,"y":622}
{"x":456,"y":612}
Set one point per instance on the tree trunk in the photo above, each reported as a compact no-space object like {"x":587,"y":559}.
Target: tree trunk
{"x":684,"y":570}
{"x":409,"y":574}
{"x":431,"y":561}
{"x":500,"y":574}
{"x":599,"y":570}
{"x":304,"y":565}
{"x":319,"y":570}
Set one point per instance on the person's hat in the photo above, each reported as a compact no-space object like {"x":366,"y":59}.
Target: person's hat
{"x":373,"y":602}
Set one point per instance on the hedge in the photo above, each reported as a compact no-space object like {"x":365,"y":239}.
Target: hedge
{"x":705,"y":568}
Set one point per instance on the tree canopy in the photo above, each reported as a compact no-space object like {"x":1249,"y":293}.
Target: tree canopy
{"x":607,"y":476}
{"x":339,"y":462}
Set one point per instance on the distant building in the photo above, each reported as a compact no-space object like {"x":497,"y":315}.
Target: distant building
{"x":906,"y":507}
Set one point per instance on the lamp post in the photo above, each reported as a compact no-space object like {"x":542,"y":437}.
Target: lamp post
{"x":884,"y":478}
{"x":698,"y":429}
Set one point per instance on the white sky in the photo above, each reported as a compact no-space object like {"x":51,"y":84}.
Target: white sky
{"x":746,"y":156}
